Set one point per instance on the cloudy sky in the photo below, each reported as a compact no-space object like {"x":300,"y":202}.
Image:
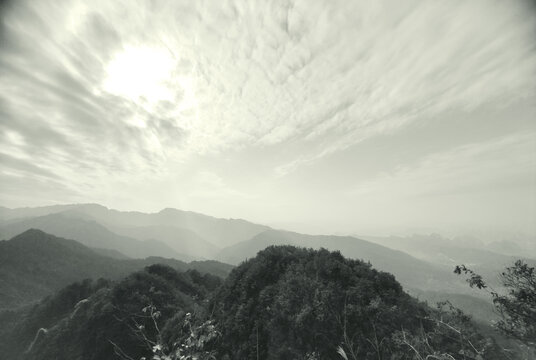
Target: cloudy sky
{"x":319,"y":116}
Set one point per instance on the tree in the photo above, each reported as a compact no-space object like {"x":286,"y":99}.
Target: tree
{"x":302,"y":304}
{"x":516,"y":304}
{"x":453,"y":335}
{"x":193,"y":338}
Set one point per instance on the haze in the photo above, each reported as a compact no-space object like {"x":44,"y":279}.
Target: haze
{"x":316,"y":116}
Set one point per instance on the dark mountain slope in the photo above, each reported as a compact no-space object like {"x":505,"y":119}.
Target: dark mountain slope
{"x":286,"y":303}
{"x":81,"y":320}
{"x":35,"y":264}
{"x":212,"y":267}
{"x":114,"y":254}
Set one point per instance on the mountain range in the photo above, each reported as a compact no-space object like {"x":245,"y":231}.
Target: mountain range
{"x":179,"y":234}
{"x":423,"y":265}
{"x":281,"y":304}
{"x":447,"y":253}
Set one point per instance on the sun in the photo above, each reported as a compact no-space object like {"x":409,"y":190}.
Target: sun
{"x":149,"y":77}
{"x":141,"y":74}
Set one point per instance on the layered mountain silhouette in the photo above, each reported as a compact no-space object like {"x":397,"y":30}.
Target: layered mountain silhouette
{"x":188,"y":236}
{"x":52,"y":247}
{"x":220,"y":232}
{"x":447,"y":253}
{"x":181,"y":240}
{"x":175,"y":233}
{"x":35,"y":264}
{"x":91,"y":234}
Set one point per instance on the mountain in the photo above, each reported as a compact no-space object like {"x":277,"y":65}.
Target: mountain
{"x":212,"y":267}
{"x":7,"y":215}
{"x":295,"y":303}
{"x":411,"y":272}
{"x":83,"y":319}
{"x":512,"y":248}
{"x":181,"y":240}
{"x":219,"y":232}
{"x":35,"y":264}
{"x":447,"y":253}
{"x":114,"y":254}
{"x":286,"y":303}
{"x":91,"y":234}
{"x":480,"y":309}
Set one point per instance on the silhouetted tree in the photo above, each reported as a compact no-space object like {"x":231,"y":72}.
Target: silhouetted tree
{"x":517,"y":304}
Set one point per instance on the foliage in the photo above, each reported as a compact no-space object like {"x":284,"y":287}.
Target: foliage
{"x":79,"y":323}
{"x":286,"y":303}
{"x":517,"y":305}
{"x":452,"y":336}
{"x":293,"y":303}
{"x":193,"y":338}
{"x":21,"y":326}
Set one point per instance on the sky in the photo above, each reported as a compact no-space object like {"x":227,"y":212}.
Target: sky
{"x":316,"y":116}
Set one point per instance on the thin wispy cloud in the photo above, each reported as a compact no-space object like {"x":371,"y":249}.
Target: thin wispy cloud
{"x":507,"y":160}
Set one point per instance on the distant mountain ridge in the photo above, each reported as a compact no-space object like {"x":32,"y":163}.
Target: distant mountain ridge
{"x":188,"y":236}
{"x":175,"y":237}
{"x":8,"y":215}
{"x":448,"y":253}
{"x":215,"y":233}
{"x":91,"y":234}
{"x":179,"y":239}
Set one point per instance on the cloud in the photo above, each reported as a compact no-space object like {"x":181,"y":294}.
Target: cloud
{"x":210,"y":186}
{"x":499,"y":164}
{"x":102,"y":93}
{"x":23,"y":166}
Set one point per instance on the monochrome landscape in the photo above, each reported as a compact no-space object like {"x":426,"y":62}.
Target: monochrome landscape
{"x":196,"y":180}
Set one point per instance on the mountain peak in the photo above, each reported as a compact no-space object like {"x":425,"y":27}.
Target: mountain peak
{"x":31,"y":233}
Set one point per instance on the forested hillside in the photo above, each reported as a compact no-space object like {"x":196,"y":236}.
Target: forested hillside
{"x":286,"y":303}
{"x":34,"y":264}
{"x":84,"y":319}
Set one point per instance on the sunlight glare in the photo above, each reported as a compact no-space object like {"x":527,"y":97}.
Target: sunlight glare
{"x":141,"y":73}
